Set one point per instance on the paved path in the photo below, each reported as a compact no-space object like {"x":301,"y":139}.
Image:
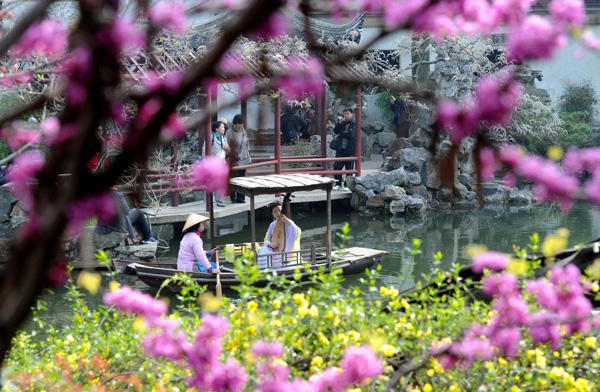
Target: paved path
{"x":168,"y":215}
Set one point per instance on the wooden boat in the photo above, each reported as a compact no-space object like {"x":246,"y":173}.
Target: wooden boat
{"x":351,"y":260}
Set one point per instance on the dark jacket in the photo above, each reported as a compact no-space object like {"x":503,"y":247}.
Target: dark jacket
{"x":291,"y":126}
{"x":340,"y":131}
{"x":121,"y":222}
{"x":398,"y":108}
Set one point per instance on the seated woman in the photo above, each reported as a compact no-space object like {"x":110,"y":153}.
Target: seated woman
{"x":282,"y":236}
{"x":192,"y":257}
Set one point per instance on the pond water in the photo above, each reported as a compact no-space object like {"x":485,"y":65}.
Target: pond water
{"x":448,"y":232}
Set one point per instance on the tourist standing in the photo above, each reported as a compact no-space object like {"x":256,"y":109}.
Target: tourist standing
{"x":307,"y":114}
{"x":220,"y":149}
{"x":345,"y":143}
{"x":291,"y":125}
{"x":239,"y":155}
{"x":398,"y":107}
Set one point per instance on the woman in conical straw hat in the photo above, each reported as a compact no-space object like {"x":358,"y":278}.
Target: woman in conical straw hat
{"x":283,"y":235}
{"x":192,"y":257}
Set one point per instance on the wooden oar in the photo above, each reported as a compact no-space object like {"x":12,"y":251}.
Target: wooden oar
{"x":218,"y":289}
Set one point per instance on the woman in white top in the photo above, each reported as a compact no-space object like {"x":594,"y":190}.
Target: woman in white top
{"x":220,"y":149}
{"x":282,"y":236}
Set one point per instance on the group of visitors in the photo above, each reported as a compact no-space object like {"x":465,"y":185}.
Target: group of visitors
{"x":296,"y":126}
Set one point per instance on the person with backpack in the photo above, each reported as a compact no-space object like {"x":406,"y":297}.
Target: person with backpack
{"x":307,"y":114}
{"x":291,"y":125}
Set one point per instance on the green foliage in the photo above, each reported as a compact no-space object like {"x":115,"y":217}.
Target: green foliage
{"x":383,"y":103}
{"x":579,"y":130}
{"x":578,"y":97}
{"x":300,"y":148}
{"x":315,"y":322}
{"x":4,"y":150}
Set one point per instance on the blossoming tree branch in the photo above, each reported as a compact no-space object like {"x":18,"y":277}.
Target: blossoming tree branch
{"x":87,"y":66}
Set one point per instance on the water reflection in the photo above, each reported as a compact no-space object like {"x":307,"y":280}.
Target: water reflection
{"x":498,"y":228}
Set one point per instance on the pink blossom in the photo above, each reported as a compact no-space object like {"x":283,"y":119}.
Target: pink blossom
{"x":331,"y":380}
{"x":264,"y":349}
{"x":458,"y":122}
{"x":577,"y":161}
{"x":374,"y":5}
{"x":511,"y":12}
{"x":147,"y":111}
{"x":544,"y":292}
{"x":174,"y":127}
{"x":100,"y":205}
{"x":125,"y":299}
{"x":78,"y":66}
{"x":507,"y":339}
{"x":57,"y":272}
{"x":470,"y":350}
{"x":26,"y":166}
{"x":50,"y":126}
{"x":590,"y":40}
{"x":487,"y":160}
{"x":550,"y":181}
{"x":592,"y":189}
{"x":535,"y":38}
{"x":212,"y":327}
{"x":17,"y":137}
{"x":497,"y":97}
{"x":232,"y":64}
{"x":543,"y":329}
{"x":475,"y":16}
{"x":117,"y":112}
{"x":435,"y":20}
{"x":568,"y":12}
{"x":303,"y":76}
{"x":169,"y":345}
{"x":397,"y":13}
{"x":211,"y":172}
{"x":47,"y":37}
{"x":512,"y":310}
{"x":123,"y":35}
{"x":360,"y":363}
{"x":17,"y":78}
{"x":491,"y":260}
{"x":66,"y":133}
{"x":275,"y":25}
{"x":169,"y":15}
{"x":76,"y":94}
{"x":500,"y":284}
{"x":230,"y":377}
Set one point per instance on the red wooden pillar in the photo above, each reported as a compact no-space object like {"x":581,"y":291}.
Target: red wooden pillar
{"x":323,"y":124}
{"x":208,"y":148}
{"x":244,"y":109}
{"x":174,"y":195}
{"x":278,"y":133}
{"x":358,"y":131}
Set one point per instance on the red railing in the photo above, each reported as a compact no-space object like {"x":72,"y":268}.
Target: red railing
{"x":276,"y":161}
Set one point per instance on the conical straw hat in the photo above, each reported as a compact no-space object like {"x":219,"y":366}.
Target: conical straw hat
{"x":192,"y":220}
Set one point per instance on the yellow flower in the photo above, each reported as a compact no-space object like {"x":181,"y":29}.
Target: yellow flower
{"x":89,"y":281}
{"x":515,"y":388}
{"x":302,"y":311}
{"x":384,"y":291}
{"x":582,"y":385}
{"x":209,"y":302}
{"x":388,"y":350}
{"x":427,"y":387}
{"x":555,"y":243}
{"x":298,"y":298}
{"x":139,"y":324}
{"x":517,"y":267}
{"x":252,"y":306}
{"x":453,"y":388}
{"x":313,"y":311}
{"x":114,"y":285}
{"x":590,"y":341}
{"x":555,"y":153}
{"x":430,"y":372}
{"x":405,"y":303}
{"x":276,"y":303}
{"x":317,"y":361}
{"x":277,"y":323}
{"x":251,"y":330}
